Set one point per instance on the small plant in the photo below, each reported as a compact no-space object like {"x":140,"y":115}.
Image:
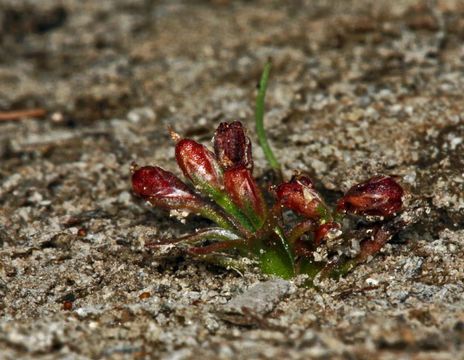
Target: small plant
{"x":322,"y":243}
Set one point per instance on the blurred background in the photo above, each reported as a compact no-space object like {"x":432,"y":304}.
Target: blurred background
{"x":357,"y":88}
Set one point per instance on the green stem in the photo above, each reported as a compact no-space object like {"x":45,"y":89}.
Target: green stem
{"x":275,"y":257}
{"x":217,"y":246}
{"x":259,"y":119}
{"x":210,"y":213}
{"x":271,"y":247}
{"x":285,"y":245}
{"x":252,"y":215}
{"x":224,"y":201}
{"x":197,"y":206}
{"x":200,"y":235}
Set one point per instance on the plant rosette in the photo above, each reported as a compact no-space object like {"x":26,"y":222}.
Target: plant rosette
{"x":222,"y":189}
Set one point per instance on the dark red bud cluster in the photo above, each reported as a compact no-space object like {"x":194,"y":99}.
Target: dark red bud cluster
{"x":229,"y":169}
{"x":232,"y":146}
{"x":378,"y":196}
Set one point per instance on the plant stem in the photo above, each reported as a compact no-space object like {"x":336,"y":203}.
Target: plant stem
{"x":288,"y":251}
{"x":210,"y":213}
{"x":259,"y":119}
{"x":218,"y":246}
{"x":275,"y":257}
{"x":200,"y":235}
{"x":223,"y":200}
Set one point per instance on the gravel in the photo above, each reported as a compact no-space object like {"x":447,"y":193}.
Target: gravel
{"x":357,"y":88}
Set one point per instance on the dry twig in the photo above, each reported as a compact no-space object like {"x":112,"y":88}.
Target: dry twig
{"x":19,"y":114}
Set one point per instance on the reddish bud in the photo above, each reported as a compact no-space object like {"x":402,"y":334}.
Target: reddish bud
{"x":199,"y":164}
{"x":323,"y":230}
{"x":299,"y":195}
{"x":232,"y":146}
{"x":245,"y":192}
{"x":379,"y":196}
{"x":162,"y":188}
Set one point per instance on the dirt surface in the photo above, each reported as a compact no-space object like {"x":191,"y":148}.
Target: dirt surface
{"x":357,"y":88}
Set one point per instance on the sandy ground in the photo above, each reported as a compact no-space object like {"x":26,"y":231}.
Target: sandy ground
{"x":357,"y":88}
